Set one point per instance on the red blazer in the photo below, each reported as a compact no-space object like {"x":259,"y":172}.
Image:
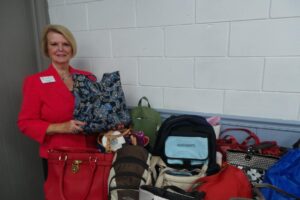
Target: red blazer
{"x":46,"y":103}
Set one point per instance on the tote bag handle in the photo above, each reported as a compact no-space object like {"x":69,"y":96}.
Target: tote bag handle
{"x":251,"y":135}
{"x":146,"y":99}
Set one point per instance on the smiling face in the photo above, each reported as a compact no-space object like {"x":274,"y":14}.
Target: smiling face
{"x":59,"y":49}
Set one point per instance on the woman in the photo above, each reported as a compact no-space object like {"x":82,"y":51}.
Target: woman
{"x":47,"y":109}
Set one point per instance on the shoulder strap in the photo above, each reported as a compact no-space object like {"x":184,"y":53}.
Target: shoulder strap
{"x":195,"y":194}
{"x":269,"y":186}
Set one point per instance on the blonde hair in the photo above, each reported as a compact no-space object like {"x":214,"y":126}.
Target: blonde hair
{"x":61,"y":30}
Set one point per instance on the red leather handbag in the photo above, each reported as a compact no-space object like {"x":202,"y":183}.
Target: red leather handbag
{"x":227,"y":141}
{"x":251,"y":155}
{"x":230,"y":182}
{"x":77,"y":174}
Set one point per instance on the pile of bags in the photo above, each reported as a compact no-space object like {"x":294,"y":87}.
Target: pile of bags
{"x":186,"y":157}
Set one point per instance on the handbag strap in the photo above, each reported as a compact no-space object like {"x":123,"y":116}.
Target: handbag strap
{"x":269,"y":186}
{"x":195,"y":194}
{"x":264,"y":145}
{"x":251,"y":135}
{"x":63,"y":163}
{"x":65,"y":150}
{"x":146,"y":99}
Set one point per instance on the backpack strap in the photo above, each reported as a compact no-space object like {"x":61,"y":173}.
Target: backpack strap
{"x":129,"y":174}
{"x":131,"y":159}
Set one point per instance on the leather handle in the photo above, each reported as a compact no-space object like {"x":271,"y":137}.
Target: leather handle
{"x":264,"y":145}
{"x":146,"y":99}
{"x":66,"y":150}
{"x":251,"y":135}
{"x":62,"y":176}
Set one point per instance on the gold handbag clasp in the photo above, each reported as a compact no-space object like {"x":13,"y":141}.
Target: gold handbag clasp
{"x":75,"y":166}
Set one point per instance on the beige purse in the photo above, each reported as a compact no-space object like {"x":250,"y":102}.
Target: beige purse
{"x":181,"y":178}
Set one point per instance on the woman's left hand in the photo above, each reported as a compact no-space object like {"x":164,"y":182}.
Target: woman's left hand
{"x":70,"y":127}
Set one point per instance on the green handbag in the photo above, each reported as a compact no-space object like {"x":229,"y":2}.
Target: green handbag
{"x":146,"y":119}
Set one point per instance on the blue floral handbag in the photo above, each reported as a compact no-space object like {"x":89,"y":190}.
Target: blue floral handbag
{"x":100,"y":104}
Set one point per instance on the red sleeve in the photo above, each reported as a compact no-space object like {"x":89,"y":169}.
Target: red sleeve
{"x":29,"y":119}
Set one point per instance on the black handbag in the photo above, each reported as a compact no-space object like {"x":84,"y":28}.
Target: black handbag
{"x":100,"y":104}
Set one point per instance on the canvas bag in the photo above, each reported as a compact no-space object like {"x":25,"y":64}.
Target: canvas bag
{"x":146,"y":119}
{"x":102,"y":104}
{"x":131,"y":168}
{"x":181,"y":178}
{"x":187,"y":142}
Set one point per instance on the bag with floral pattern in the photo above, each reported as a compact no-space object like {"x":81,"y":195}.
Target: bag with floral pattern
{"x":100,"y":104}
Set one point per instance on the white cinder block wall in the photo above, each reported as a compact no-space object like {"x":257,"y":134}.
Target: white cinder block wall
{"x":231,"y":57}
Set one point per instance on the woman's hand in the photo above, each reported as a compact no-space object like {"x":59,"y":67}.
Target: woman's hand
{"x":72,"y":127}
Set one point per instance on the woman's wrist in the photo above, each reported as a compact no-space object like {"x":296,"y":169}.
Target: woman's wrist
{"x":72,"y":127}
{"x":53,"y":129}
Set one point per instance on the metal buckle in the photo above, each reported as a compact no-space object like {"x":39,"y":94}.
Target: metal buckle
{"x":75,"y":166}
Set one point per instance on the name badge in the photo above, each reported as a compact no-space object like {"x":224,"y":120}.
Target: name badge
{"x":47,"y":79}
